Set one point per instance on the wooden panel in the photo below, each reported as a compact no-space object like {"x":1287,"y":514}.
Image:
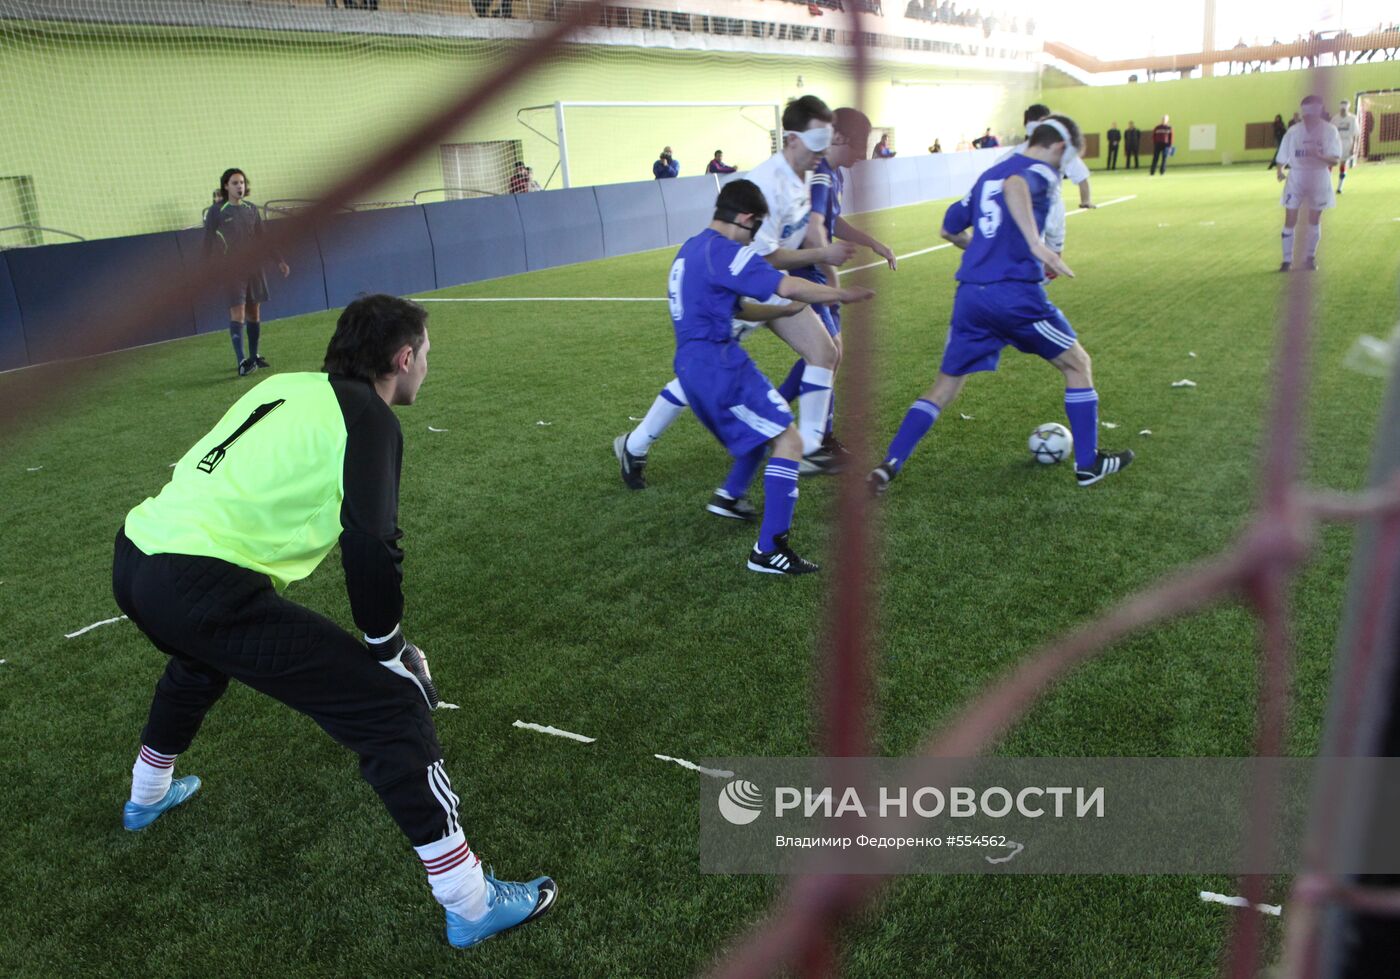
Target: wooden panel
{"x":1091,"y":146}
{"x":1259,"y":135}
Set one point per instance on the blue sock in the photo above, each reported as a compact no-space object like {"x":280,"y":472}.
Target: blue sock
{"x":235,"y":332}
{"x":831,"y":415}
{"x":779,"y":500}
{"x":917,"y":421}
{"x":741,"y":473}
{"x":254,"y":334}
{"x":1082,"y":407}
{"x":792,"y":384}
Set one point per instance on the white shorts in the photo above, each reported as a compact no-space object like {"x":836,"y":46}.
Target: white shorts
{"x":1308,"y":189}
{"x":1055,"y":224}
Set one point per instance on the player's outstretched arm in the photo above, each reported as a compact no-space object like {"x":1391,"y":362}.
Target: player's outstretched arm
{"x":809,"y":292}
{"x":762,"y":313}
{"x":848,"y":232}
{"x":836,"y":253}
{"x":1017,"y":194}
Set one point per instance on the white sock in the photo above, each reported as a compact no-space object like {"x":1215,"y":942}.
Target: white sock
{"x":1313,"y":236}
{"x":1288,"y":244}
{"x":669,"y":405}
{"x":454,"y":873}
{"x":151,"y":776}
{"x":813,"y":407}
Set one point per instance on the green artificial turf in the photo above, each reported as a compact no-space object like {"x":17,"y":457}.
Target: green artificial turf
{"x":546,"y":592}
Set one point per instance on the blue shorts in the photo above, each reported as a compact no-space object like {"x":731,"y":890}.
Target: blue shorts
{"x":829,"y":315}
{"x":987,"y":318}
{"x":730,"y":396}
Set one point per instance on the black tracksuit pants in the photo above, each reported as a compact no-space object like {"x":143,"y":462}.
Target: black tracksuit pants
{"x":217,"y":622}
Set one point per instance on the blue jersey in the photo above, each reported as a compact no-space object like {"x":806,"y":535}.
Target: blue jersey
{"x":708,"y":278}
{"x":998,"y":251}
{"x":826,"y":185}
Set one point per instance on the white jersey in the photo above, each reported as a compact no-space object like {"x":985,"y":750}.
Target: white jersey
{"x":1303,"y":148}
{"x":1349,"y":133}
{"x":789,"y":205}
{"x":1054,"y":233}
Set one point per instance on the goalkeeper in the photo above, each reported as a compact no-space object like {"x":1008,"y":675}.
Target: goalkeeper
{"x":300,"y":462}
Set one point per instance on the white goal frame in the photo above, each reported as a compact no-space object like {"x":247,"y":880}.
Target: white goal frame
{"x":561,"y":140}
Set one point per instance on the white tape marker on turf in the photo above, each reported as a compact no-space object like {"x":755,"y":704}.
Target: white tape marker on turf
{"x":431,"y":429}
{"x":712,"y":772}
{"x":89,"y":628}
{"x":546,"y":729}
{"x":1185,"y":382}
{"x":33,"y":469}
{"x":1239,"y":902}
{"x":1019,"y":847}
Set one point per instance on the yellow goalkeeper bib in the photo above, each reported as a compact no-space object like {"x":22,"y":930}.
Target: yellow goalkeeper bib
{"x":262,"y":490}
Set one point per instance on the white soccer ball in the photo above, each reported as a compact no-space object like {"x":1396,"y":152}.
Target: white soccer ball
{"x":1050,"y":443}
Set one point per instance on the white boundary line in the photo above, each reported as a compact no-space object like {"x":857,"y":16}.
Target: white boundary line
{"x":89,"y":628}
{"x":1096,"y":207}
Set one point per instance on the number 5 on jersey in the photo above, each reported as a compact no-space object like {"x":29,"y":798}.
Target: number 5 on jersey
{"x":990,"y":206}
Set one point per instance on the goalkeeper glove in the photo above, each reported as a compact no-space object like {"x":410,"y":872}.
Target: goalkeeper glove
{"x":397,"y":654}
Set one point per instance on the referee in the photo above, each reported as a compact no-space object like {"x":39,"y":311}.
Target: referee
{"x":299,"y":463}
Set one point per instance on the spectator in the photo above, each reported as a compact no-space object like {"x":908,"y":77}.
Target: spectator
{"x":1115,"y":136}
{"x":717,"y":165}
{"x":519,"y":179}
{"x":937,"y":147}
{"x":667,"y":166}
{"x":234,"y":222}
{"x":882,"y":148}
{"x":914,"y":10}
{"x":1161,"y":146}
{"x":1132,"y":139}
{"x":986,"y":141}
{"x":1279,"y":129}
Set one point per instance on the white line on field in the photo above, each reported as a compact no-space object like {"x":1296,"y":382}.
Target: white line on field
{"x":545,"y":729}
{"x":1239,"y":902}
{"x":712,"y":772}
{"x":89,"y":628}
{"x":547,"y":299}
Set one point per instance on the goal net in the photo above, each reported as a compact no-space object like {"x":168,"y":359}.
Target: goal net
{"x":120,"y":115}
{"x":1379,"y":115}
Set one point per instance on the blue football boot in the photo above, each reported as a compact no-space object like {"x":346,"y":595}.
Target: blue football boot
{"x":509,"y":905}
{"x":135,"y":817}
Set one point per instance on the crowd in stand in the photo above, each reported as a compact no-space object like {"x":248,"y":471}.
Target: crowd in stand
{"x":948,"y":13}
{"x":1316,"y":45}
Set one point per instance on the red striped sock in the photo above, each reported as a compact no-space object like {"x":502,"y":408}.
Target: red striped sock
{"x":151,"y":776}
{"x":454,"y":873}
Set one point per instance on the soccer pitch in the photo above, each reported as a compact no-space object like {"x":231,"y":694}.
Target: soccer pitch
{"x":546,"y":592}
